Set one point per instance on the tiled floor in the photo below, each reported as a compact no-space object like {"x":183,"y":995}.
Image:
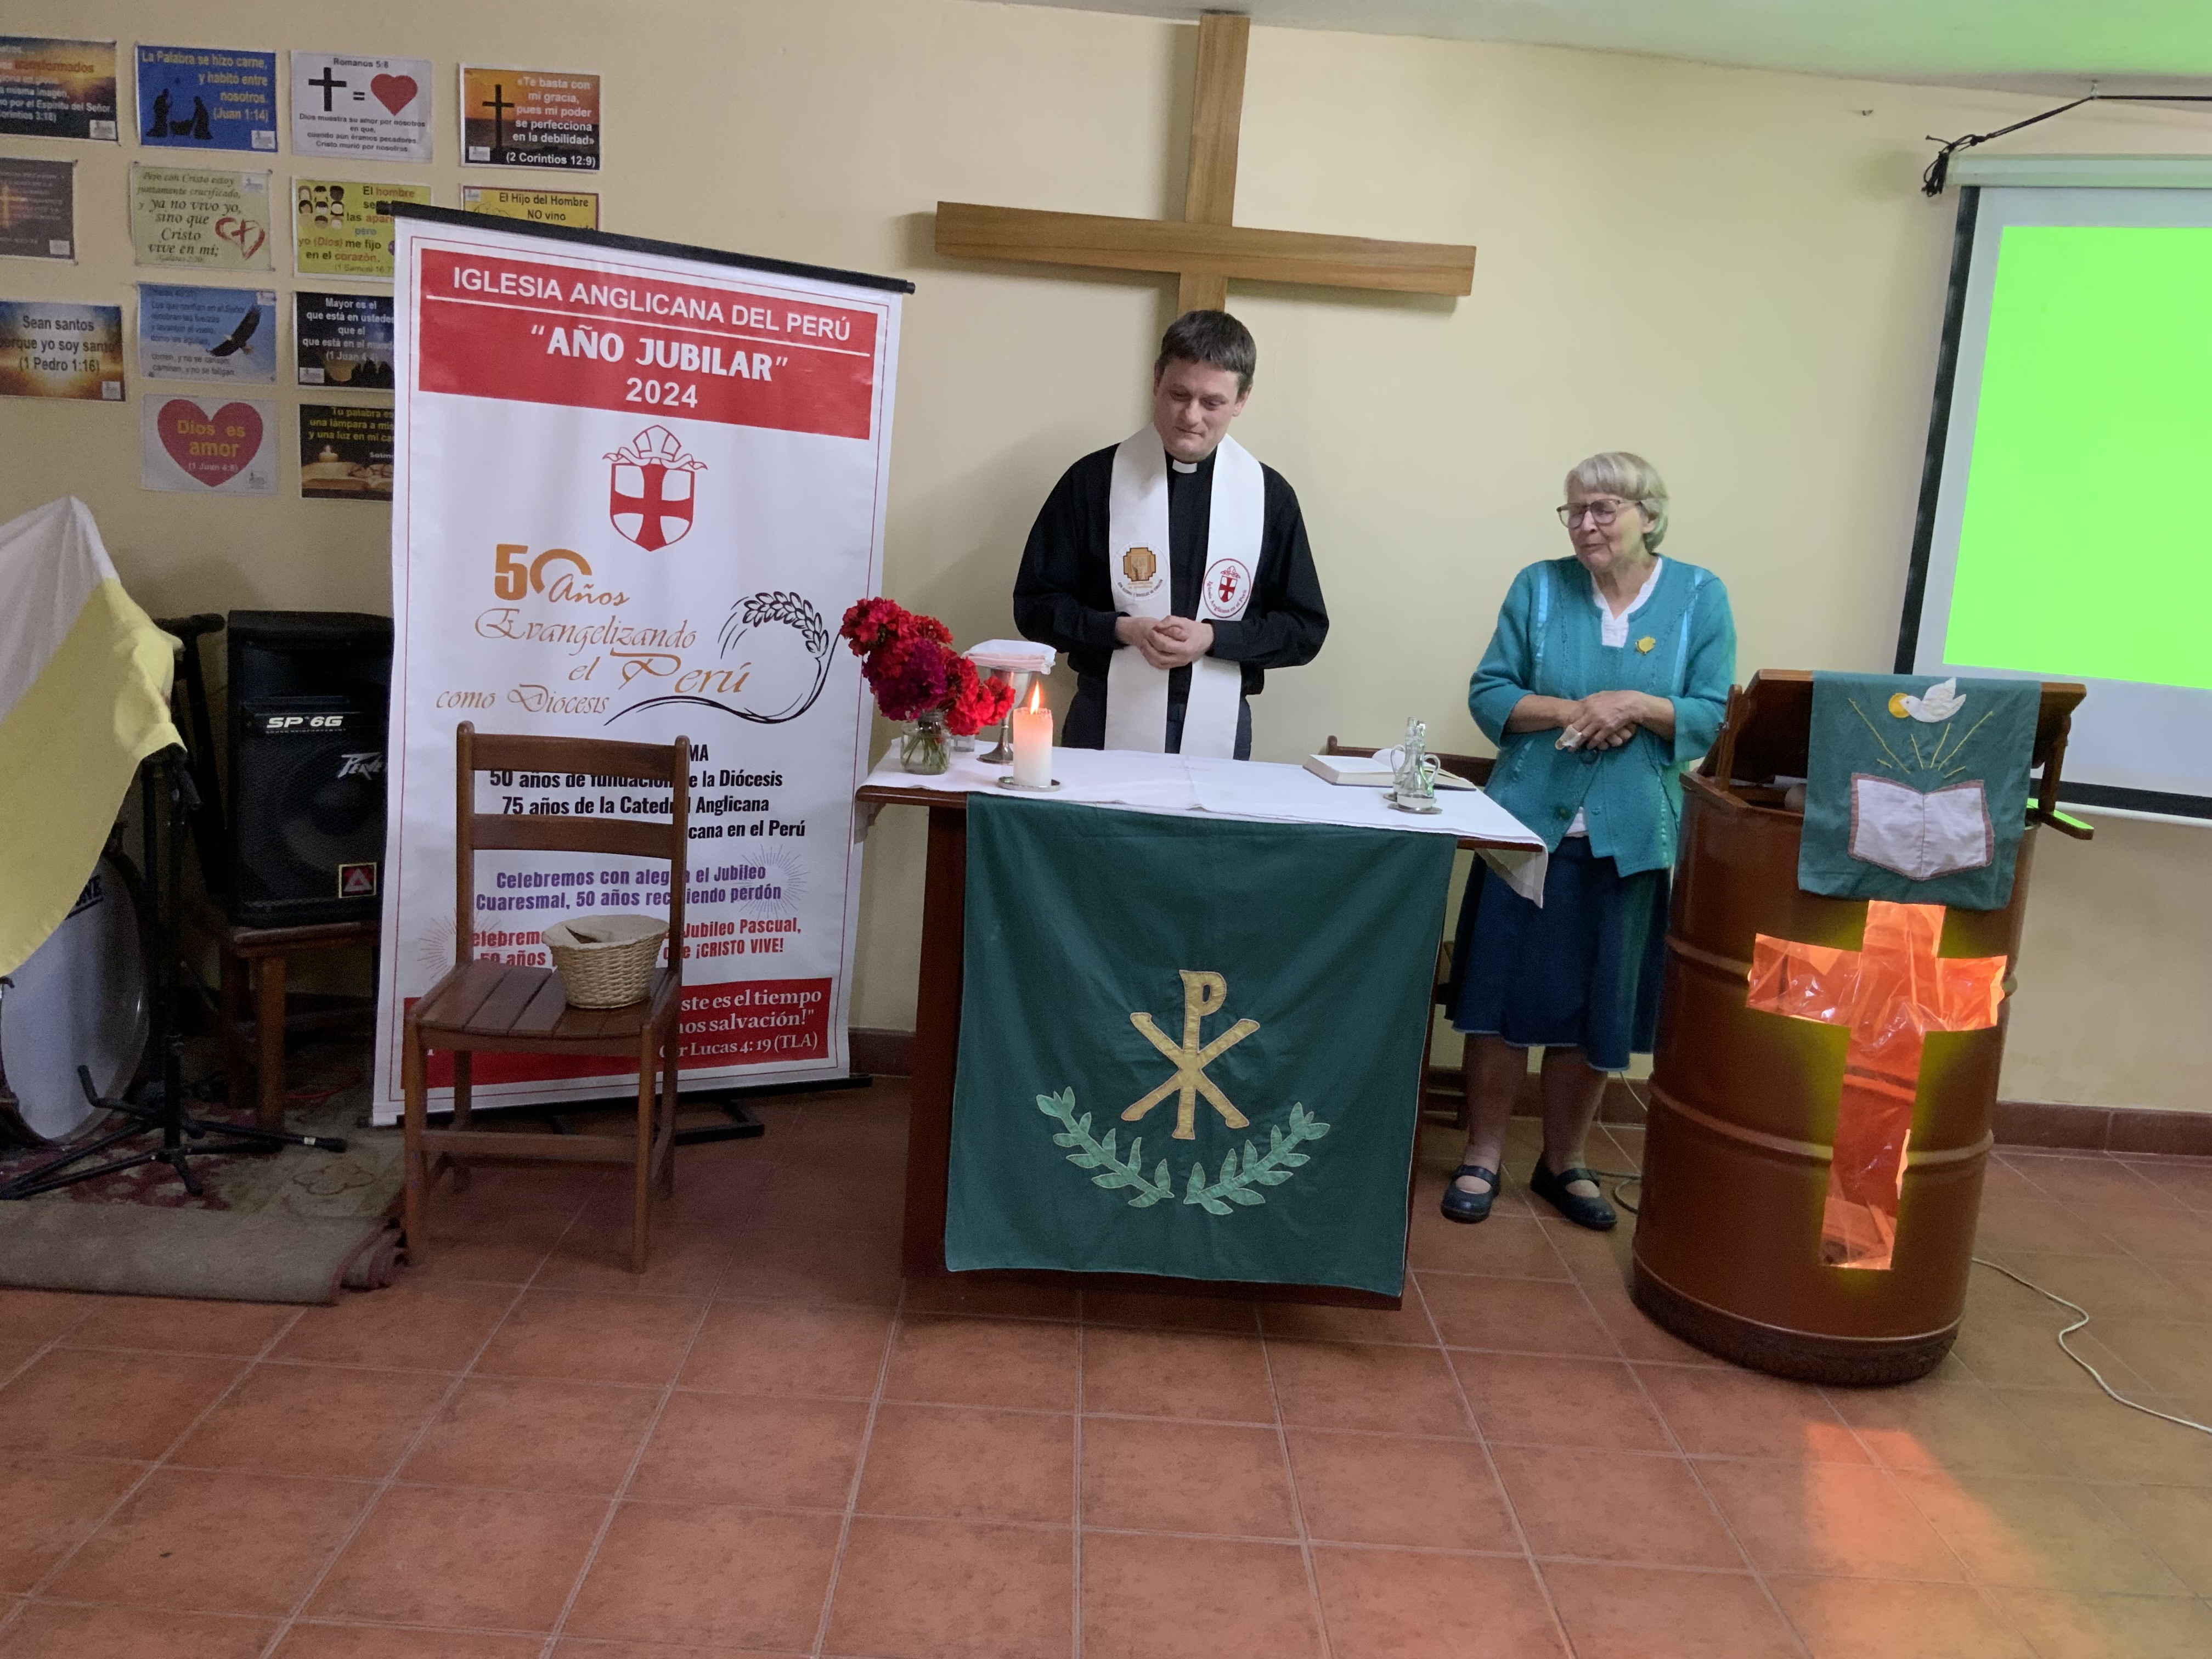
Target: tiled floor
{"x":769,"y":1446}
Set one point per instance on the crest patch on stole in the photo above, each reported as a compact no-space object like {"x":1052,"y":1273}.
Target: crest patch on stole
{"x":1141,"y":565}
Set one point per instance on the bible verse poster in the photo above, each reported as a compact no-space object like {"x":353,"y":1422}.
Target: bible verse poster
{"x":38,"y":208}
{"x":579,"y":208}
{"x":49,"y":349}
{"x":374,"y":107}
{"x":57,"y":89}
{"x":207,"y":446}
{"x":201,"y":98}
{"x":189,"y":333}
{"x":530,"y":118}
{"x":345,"y":453}
{"x":342,"y":339}
{"x":338,"y":229}
{"x":201,"y":218}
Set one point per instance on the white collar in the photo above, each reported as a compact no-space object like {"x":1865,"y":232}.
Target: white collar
{"x":1182,"y":466}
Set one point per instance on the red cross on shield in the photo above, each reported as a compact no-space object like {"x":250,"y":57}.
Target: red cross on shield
{"x":1225,"y":581}
{"x":650,"y":504}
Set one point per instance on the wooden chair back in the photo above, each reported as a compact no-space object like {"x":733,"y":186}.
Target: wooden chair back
{"x":602,"y":762}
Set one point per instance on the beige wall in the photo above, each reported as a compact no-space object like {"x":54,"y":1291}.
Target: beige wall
{"x":1731,"y":272}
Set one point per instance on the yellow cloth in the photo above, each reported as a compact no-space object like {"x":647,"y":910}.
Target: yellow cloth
{"x":70,"y":745}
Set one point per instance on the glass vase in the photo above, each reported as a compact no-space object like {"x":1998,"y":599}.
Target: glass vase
{"x":922,"y":747}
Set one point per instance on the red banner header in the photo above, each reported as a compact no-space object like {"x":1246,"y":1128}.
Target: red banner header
{"x":529,"y":332}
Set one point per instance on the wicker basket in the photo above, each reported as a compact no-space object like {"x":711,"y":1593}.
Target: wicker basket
{"x":605,"y":961}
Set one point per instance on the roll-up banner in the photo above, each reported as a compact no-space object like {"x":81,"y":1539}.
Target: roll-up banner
{"x":635,"y":487}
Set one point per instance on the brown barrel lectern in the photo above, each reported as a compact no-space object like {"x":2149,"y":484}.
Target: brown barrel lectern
{"x":1744,"y":1104}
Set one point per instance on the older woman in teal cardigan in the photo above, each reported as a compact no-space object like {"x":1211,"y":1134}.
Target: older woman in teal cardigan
{"x":1606,"y":676}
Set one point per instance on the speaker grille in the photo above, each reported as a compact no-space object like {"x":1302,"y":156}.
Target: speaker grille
{"x":308,"y":838}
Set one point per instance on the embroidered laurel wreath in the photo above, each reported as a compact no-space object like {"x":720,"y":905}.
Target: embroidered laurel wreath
{"x":1241,"y":1171}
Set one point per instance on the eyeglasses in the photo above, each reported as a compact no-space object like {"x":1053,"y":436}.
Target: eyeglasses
{"x":1601,"y":511}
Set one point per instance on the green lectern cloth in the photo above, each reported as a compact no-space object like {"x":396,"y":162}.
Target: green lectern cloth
{"x":1189,"y":1046}
{"x":1917,"y":790}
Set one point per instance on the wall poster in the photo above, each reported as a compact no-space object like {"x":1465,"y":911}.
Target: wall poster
{"x":57,"y":89}
{"x":378,"y":108}
{"x":530,"y":118}
{"x":207,"y":446}
{"x":201,"y":218}
{"x":338,"y":229}
{"x":580,"y":208}
{"x":345,"y":453}
{"x":192,"y":333}
{"x":38,"y":208}
{"x":51,"y":349}
{"x":635,"y":492}
{"x":342,"y":339}
{"x":200,"y":98}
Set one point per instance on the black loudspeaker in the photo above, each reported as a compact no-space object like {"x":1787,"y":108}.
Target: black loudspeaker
{"x":308,"y":695}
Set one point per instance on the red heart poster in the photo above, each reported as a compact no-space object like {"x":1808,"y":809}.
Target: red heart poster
{"x":202,"y":445}
{"x":377,"y":108}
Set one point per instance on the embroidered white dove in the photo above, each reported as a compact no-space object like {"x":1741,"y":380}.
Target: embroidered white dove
{"x":1932,"y":707}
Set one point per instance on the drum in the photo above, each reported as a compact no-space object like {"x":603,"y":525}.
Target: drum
{"x":80,"y":1000}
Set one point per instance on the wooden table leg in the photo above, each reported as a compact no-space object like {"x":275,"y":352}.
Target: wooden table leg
{"x":936,"y":1043}
{"x":237,"y":975}
{"x":269,"y":1038}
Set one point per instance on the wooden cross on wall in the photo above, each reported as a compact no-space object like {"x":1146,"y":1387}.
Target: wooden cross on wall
{"x":1204,"y":248}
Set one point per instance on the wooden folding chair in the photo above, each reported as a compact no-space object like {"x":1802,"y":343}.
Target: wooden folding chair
{"x":481,"y":1006}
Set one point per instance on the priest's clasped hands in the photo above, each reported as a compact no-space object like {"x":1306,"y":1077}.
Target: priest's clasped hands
{"x":1165,"y":641}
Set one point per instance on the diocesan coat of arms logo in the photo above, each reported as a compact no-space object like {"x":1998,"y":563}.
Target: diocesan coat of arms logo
{"x":1140,"y":570}
{"x":652,"y":489}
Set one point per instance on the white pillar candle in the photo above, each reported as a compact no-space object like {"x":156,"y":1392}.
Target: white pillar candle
{"x":1033,"y":741}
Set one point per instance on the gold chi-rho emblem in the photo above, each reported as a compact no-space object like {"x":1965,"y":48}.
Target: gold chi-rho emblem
{"x":1203,"y":993}
{"x":1139,"y":565}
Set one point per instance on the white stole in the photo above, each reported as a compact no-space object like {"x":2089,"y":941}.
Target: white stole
{"x":1137,"y":551}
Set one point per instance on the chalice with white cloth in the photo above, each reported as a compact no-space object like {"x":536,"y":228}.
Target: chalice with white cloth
{"x":1017,"y":663}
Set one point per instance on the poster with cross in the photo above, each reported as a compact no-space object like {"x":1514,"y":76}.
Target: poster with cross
{"x":378,"y":108}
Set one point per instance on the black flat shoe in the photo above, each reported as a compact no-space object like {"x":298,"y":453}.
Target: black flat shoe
{"x":1460,"y":1206}
{"x":1592,"y":1212}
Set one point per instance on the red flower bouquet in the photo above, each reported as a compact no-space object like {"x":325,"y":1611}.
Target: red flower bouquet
{"x":909,"y":663}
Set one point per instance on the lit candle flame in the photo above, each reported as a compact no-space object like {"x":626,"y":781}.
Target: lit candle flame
{"x":1035,"y":698}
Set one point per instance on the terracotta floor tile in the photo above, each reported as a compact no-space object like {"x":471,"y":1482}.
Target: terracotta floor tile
{"x":84,"y":1403}
{"x":2175,"y":1356}
{"x":664,"y":1575}
{"x":838,"y":1191}
{"x":1184,"y":1598}
{"x":1391,"y":1605}
{"x":1504,"y":1247}
{"x":306,"y":1641}
{"x":181,"y":1327}
{"x":49,"y":1505}
{"x":2187,"y":1180}
{"x":2174,"y":1521}
{"x":2024,"y":1353}
{"x":1408,"y":1324}
{"x":536,"y":1435}
{"x":209,"y":1541}
{"x":1632,"y":1508}
{"x":445,"y":1556}
{"x":1027,"y":1364}
{"x":38,"y":1316}
{"x":47,"y":1631}
{"x":2079,"y":1626}
{"x":1163,"y":1311}
{"x":2113,"y":1287}
{"x":1379,"y":1489}
{"x":410,"y":1325}
{"x":1165,"y":1476}
{"x":1591,"y":1258}
{"x":773,"y":1450}
{"x":1828,"y":1518}
{"x":1343,"y":1385}
{"x":689,"y":1258}
{"x":1522,"y":1316}
{"x":2092,"y":1439}
{"x":1850,"y":1618}
{"x":2157,"y":1235}
{"x":14,"y":1356}
{"x":1177,"y":1374}
{"x":315,"y":1419}
{"x":964,"y":1463}
{"x":1641,"y":1613}
{"x":2089,"y":1182}
{"x":1636,"y":1335}
{"x":787,"y":1347}
{"x":1740,"y":1413}
{"x":952,"y":1589}
{"x":497,"y":1263}
{"x":817,"y":1265}
{"x":2037,"y":1535}
{"x":2004,"y":1224}
{"x":963,"y":1293}
{"x":1960,"y":1428}
{"x":595,"y":1338}
{"x":1540,"y":1400}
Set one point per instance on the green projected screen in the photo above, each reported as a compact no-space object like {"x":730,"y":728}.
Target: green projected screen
{"x":2087,"y":510}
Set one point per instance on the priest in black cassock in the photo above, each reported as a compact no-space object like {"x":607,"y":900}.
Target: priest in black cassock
{"x":1173,"y":567}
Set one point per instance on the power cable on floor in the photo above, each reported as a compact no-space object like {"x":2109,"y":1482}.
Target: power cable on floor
{"x":2095,"y":1375}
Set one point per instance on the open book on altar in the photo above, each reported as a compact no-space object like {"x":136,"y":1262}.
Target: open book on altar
{"x":1370,"y":770}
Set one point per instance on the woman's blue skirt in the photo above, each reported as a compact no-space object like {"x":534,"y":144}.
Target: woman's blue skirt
{"x":1580,"y":971}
